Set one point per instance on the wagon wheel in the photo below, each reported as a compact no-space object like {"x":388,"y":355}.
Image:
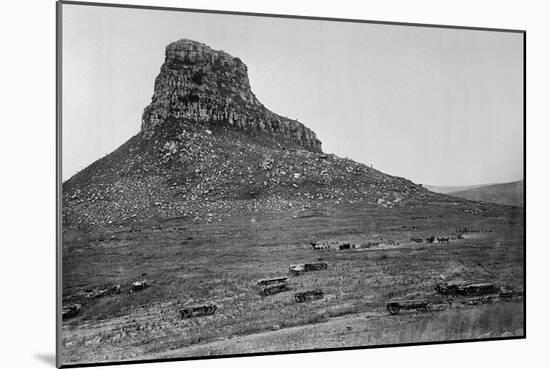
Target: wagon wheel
{"x":393,"y":309}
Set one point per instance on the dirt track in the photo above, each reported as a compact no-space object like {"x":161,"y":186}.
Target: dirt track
{"x":373,"y":329}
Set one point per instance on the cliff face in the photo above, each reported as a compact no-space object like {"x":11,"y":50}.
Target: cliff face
{"x":199,"y":84}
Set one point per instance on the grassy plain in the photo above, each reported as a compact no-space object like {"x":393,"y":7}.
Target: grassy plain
{"x":194,"y":262}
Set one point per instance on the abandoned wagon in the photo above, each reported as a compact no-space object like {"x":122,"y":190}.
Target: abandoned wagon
{"x":139,"y":286}
{"x":296,"y":269}
{"x":344,"y":246}
{"x":466,"y":289}
{"x":269,"y":281}
{"x":320,"y":245}
{"x":197,"y":311}
{"x":102,"y":292}
{"x":395,"y":306}
{"x":305,"y":296}
{"x":272,"y":289}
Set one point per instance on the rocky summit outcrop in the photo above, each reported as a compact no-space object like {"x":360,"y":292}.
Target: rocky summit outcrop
{"x":199,"y":84}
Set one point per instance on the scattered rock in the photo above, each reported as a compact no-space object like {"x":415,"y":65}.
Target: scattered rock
{"x":267,"y":164}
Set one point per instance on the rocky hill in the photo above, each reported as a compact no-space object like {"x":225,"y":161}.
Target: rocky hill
{"x":208,"y":149}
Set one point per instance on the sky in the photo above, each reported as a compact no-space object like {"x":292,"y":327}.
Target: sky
{"x":437,"y":106}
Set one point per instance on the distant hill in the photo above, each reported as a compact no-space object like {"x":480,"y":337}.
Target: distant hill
{"x":504,"y":193}
{"x":451,"y":189}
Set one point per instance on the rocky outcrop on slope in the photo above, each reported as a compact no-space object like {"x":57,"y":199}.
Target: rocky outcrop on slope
{"x":199,"y":84}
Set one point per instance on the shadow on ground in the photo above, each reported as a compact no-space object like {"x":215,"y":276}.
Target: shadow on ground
{"x":46,"y":358}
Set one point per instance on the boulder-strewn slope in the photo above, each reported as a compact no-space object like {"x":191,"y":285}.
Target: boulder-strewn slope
{"x":208,"y":149}
{"x":204,"y":175}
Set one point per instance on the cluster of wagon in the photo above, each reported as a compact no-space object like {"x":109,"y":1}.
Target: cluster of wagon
{"x":468,"y":293}
{"x":338,"y":245}
{"x":266,"y":287}
{"x":457,"y":291}
{"x":431,"y":239}
{"x":76,"y":301}
{"x":272,"y":286}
